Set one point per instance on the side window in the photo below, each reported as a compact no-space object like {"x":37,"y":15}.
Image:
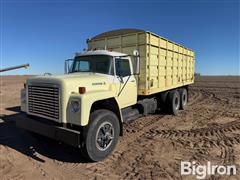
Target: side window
{"x":122,"y":67}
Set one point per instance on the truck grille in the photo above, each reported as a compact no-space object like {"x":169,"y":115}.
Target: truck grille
{"x":44,"y":101}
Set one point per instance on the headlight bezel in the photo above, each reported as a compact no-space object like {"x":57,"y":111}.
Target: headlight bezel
{"x":75,"y":106}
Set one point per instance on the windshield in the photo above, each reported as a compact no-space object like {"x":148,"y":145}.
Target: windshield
{"x":94,"y":63}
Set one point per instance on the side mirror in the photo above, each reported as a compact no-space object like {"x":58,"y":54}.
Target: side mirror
{"x":136,"y":52}
{"x":136,"y":62}
{"x":68,"y":65}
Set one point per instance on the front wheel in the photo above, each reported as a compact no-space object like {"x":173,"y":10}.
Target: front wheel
{"x":101,"y":135}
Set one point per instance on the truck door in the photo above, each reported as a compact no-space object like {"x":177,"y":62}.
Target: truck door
{"x":125,"y":82}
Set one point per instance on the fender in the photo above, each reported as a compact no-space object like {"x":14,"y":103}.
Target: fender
{"x":86,"y":101}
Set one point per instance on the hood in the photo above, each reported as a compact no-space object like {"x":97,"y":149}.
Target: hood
{"x":71,"y":82}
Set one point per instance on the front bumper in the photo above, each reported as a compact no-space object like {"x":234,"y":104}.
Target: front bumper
{"x":58,"y":133}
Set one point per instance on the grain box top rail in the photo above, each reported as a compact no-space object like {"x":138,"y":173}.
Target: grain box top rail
{"x":119,"y":32}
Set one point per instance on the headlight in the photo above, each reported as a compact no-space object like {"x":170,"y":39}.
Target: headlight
{"x":75,"y":106}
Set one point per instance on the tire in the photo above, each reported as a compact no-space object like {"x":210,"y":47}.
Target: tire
{"x":101,"y":135}
{"x":162,"y":101}
{"x":184,"y":98}
{"x":174,"y":101}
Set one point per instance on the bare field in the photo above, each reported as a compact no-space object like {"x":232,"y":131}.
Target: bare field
{"x":152,"y":147}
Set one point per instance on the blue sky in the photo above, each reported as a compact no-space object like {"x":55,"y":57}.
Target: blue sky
{"x":45,"y":33}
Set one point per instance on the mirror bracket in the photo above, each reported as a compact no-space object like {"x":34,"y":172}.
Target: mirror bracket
{"x":120,"y":79}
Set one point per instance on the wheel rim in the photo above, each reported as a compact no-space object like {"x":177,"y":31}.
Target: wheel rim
{"x":104,"y":136}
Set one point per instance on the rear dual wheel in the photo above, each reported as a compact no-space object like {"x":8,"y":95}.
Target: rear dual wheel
{"x":177,"y":99}
{"x":184,"y":98}
{"x":174,"y":101}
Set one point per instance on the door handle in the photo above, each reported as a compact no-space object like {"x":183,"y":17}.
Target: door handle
{"x":132,"y":81}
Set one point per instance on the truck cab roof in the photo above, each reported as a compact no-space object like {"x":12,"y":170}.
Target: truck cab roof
{"x":100,"y":52}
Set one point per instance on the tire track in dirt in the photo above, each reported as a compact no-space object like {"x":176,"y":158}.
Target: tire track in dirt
{"x":212,"y":106}
{"x":225,"y":104}
{"x":205,"y":136}
{"x":205,"y":139}
{"x":196,"y":97}
{"x":201,"y":132}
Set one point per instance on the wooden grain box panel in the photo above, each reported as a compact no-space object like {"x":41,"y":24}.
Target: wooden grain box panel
{"x":153,"y":71}
{"x":154,"y":50}
{"x":129,"y":39}
{"x":163,"y":52}
{"x":163,"y":43}
{"x":153,"y":83}
{"x":175,"y":47}
{"x":175,"y":71}
{"x":128,"y":49}
{"x":170,"y":45}
{"x":175,"y":80}
{"x":169,"y":61}
{"x":162,"y":81}
{"x":163,"y":61}
{"x":142,"y":38}
{"x":180,"y":50}
{"x":175,"y":55}
{"x":175,"y":62}
{"x":153,"y":59}
{"x":169,"y":81}
{"x":114,"y":42}
{"x":154,"y":40}
{"x":180,"y":57}
{"x":100,"y":44}
{"x":162,"y":70}
{"x":169,"y":71}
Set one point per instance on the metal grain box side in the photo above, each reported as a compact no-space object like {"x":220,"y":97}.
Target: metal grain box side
{"x":164,"y":64}
{"x":169,"y":65}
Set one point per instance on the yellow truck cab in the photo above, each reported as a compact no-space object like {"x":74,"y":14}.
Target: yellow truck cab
{"x":124,"y":74}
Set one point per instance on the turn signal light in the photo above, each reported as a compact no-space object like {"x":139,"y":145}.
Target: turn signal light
{"x":81,"y":90}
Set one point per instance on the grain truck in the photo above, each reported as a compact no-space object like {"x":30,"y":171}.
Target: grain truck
{"x":122,"y":75}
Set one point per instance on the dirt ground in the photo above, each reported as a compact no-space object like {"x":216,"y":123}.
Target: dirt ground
{"x":152,"y":147}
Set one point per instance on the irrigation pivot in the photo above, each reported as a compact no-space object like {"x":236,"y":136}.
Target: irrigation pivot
{"x":14,"y":67}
